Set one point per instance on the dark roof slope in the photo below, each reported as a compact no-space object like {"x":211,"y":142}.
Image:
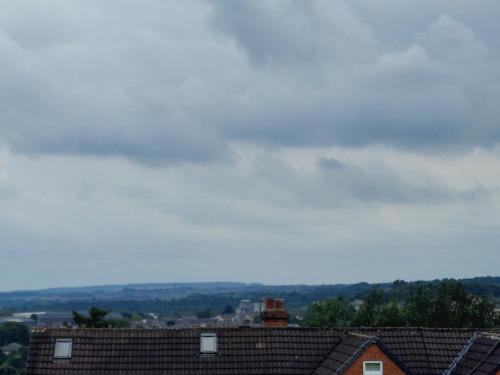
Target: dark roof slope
{"x":241,"y":351}
{"x":482,"y":357}
{"x":349,"y":350}
{"x":151,"y":352}
{"x":344,"y":354}
{"x":427,"y":351}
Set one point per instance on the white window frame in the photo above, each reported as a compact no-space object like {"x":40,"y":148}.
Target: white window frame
{"x":211,"y":336}
{"x":70,"y":348}
{"x":378,"y":362}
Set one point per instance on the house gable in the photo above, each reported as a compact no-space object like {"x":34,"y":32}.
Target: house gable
{"x":374,"y":353}
{"x":349,"y":356}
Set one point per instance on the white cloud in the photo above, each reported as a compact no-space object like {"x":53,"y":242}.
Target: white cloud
{"x":161,"y":223}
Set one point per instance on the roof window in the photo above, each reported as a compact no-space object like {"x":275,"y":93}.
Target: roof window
{"x":63,"y":348}
{"x":208,"y":343}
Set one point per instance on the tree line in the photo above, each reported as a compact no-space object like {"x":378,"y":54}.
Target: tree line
{"x":443,"y":304}
{"x":14,"y":363}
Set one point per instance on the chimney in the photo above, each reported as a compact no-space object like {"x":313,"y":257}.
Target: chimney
{"x":274,"y":314}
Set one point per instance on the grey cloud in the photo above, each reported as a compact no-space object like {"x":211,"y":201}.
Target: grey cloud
{"x":124,"y":91}
{"x":379,"y":184}
{"x":427,"y":91}
{"x":369,"y":94}
{"x":293,"y":31}
{"x":7,"y":193}
{"x":189,"y":221}
{"x":178,"y":81}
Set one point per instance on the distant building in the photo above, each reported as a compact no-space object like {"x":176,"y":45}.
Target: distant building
{"x":245,"y":307}
{"x":11,"y":348}
{"x":357,"y":303}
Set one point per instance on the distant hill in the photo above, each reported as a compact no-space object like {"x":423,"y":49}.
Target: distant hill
{"x":190,"y":297}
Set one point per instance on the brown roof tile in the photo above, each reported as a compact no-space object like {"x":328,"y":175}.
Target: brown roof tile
{"x":242,"y":351}
{"x":481,"y":357}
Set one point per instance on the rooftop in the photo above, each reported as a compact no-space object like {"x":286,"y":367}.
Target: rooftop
{"x":241,"y":351}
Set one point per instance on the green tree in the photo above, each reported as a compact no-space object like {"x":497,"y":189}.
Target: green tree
{"x":390,"y":315}
{"x":418,"y":308}
{"x":482,"y":313}
{"x":14,"y":332}
{"x":228,"y":310}
{"x":451,"y":306}
{"x":126,"y":315}
{"x":18,"y":359}
{"x":97,"y":319}
{"x":448,"y":304}
{"x":205,"y":314}
{"x":34,"y":317}
{"x":368,"y":313}
{"x":6,"y":369}
{"x":331,"y":313}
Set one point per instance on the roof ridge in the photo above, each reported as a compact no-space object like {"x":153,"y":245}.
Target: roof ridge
{"x":490,"y":335}
{"x":362,"y":335}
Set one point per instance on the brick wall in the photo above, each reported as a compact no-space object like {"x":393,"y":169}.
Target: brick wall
{"x":373,"y":353}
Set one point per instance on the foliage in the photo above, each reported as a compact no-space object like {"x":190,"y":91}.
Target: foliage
{"x":449,"y":305}
{"x":332,"y":313}
{"x":205,"y":314}
{"x":97,"y":319}
{"x":369,"y":311}
{"x":228,"y":310}
{"x":14,"y":332}
{"x":188,"y":300}
{"x":390,"y":315}
{"x":443,"y":304}
{"x":14,"y":363}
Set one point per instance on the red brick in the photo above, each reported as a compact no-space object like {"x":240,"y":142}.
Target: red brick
{"x":373,"y":353}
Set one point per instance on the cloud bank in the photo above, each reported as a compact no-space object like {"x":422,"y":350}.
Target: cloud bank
{"x":336,"y":141}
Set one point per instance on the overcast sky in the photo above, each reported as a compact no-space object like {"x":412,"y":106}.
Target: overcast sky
{"x":273,"y":141}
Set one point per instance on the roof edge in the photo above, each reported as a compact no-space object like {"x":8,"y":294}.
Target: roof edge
{"x":486,"y":356}
{"x":370,"y":340}
{"x":461,"y":354}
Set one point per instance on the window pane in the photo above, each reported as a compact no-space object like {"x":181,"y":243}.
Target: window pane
{"x":208,"y":344}
{"x":372,"y":367}
{"x":63,"y":349}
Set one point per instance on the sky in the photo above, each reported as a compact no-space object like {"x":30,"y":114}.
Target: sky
{"x":279,"y":141}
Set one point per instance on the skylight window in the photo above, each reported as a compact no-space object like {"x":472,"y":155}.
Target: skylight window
{"x":63,"y":348}
{"x":208,"y":343}
{"x":372,"y":368}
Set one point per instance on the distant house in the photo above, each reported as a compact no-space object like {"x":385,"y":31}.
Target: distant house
{"x":11,"y":348}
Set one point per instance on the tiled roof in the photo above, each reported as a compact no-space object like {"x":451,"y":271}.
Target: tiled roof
{"x":242,"y":351}
{"x":344,"y":354}
{"x":348,"y":350}
{"x":482,"y":357}
{"x":426,"y":351}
